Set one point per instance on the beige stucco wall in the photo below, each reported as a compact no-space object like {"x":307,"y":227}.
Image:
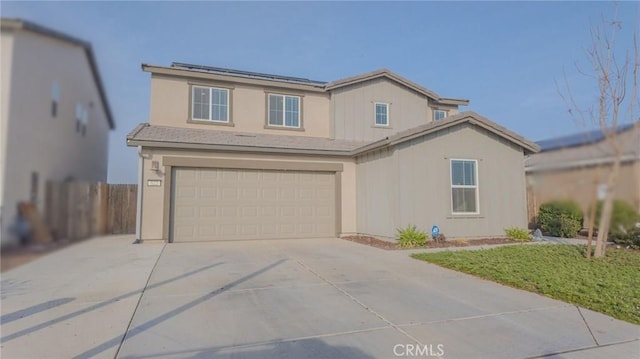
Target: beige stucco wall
{"x":6,"y":58}
{"x":580,"y":185}
{"x":410,"y":184}
{"x":353,"y":109}
{"x":170,"y":106}
{"x":38,"y":142}
{"x":153,"y":198}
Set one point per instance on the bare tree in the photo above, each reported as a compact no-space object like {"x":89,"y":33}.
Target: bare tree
{"x":613,"y":107}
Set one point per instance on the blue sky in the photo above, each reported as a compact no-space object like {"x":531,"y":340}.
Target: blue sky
{"x":505,"y":57}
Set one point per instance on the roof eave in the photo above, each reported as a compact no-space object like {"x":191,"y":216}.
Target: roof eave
{"x":465,"y":117}
{"x":453,"y":101}
{"x":378,"y":74}
{"x":132,"y":142}
{"x":165,"y":70}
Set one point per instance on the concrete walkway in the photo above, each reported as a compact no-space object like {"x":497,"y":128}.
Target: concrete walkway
{"x":322,"y":298}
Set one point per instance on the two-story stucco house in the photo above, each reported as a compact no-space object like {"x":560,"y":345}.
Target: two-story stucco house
{"x":239,"y":155}
{"x":54,"y":116}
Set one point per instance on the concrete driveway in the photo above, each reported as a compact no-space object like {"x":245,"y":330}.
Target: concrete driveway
{"x":324,"y":298}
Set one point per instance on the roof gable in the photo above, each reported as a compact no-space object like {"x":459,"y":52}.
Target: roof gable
{"x":391,"y":76}
{"x":19,"y":24}
{"x":455,"y":120}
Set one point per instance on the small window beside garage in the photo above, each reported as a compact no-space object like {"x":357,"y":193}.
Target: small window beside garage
{"x":464,"y":186}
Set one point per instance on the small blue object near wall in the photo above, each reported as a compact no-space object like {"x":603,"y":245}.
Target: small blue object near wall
{"x":435,"y":231}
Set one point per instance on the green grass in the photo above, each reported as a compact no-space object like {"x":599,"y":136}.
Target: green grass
{"x":609,"y":285}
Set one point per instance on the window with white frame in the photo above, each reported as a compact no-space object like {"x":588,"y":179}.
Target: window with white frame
{"x":283,"y":111}
{"x":439,"y":114}
{"x":464,"y":187}
{"x":210,"y":104}
{"x":382,"y":114}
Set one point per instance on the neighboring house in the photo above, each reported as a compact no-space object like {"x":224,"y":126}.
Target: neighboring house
{"x":55,"y":118}
{"x":238,"y":155}
{"x":576,"y":167}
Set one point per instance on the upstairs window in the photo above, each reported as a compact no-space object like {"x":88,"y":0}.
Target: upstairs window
{"x":210,"y":104}
{"x":439,"y":114}
{"x":283,"y":111}
{"x":464,"y":187}
{"x":382,"y":114}
{"x":55,"y":99}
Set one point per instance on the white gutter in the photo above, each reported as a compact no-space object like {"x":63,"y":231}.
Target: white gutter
{"x":139,"y":200}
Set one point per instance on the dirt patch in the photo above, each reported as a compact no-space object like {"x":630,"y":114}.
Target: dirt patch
{"x":379,"y":243}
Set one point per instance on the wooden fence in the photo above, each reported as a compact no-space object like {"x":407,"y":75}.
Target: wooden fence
{"x":78,"y":210}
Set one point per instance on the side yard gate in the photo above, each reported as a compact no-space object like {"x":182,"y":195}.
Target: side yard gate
{"x":78,"y":210}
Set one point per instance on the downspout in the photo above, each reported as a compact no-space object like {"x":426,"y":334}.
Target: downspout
{"x":139,"y":201}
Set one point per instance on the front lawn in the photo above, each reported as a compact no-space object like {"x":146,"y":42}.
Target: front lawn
{"x":609,"y":285}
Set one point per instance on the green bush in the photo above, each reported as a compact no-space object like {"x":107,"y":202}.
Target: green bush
{"x":560,"y":218}
{"x":623,"y":217}
{"x":518,"y":234}
{"x":631,"y":238}
{"x":411,"y":237}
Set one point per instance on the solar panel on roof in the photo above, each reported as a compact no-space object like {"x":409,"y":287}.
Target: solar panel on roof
{"x":247,"y":73}
{"x":576,"y":139}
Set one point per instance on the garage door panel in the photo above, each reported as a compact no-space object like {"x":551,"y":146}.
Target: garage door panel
{"x":251,"y":204}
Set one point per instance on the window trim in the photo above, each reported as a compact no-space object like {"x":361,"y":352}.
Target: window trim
{"x":284,"y":96}
{"x":446,"y":114}
{"x":375,"y":114}
{"x":210,"y":121}
{"x":452,"y":186}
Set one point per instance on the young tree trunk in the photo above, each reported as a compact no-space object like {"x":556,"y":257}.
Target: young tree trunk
{"x":592,"y":218}
{"x":607,"y":209}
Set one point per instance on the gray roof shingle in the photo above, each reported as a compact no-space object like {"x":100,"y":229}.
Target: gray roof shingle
{"x":178,"y":135}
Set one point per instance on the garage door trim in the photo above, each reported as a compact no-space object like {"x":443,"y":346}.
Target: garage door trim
{"x":251,"y":164}
{"x":170,"y":162}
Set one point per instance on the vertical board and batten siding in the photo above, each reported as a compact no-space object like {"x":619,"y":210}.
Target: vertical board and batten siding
{"x":411,"y":183}
{"x":353,"y":109}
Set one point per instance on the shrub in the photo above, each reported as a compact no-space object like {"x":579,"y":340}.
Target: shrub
{"x":411,"y":237}
{"x":623,"y":217}
{"x":631,"y":238}
{"x":560,"y":218}
{"x":518,"y":234}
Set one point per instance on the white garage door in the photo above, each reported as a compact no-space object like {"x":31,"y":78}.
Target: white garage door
{"x":210,"y":204}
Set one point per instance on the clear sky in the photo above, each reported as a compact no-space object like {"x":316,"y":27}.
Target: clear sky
{"x":505,"y":57}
